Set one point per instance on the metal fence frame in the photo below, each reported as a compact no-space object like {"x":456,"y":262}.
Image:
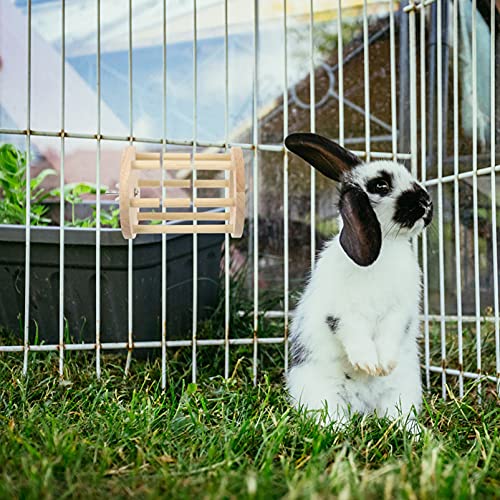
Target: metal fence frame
{"x":412,"y":9}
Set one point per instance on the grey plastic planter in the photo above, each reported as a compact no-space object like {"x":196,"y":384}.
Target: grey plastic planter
{"x":80,"y":283}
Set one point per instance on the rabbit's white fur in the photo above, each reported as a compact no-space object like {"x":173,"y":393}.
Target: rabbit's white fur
{"x":366,"y":360}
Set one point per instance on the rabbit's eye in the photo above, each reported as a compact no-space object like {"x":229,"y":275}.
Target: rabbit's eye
{"x":380,"y":186}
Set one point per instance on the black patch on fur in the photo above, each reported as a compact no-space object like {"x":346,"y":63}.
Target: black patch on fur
{"x":333,"y":323}
{"x":413,"y":205}
{"x":367,"y":406}
{"x":347,"y":376}
{"x":373,"y":185}
{"x":408,"y":326}
{"x":300,"y":354}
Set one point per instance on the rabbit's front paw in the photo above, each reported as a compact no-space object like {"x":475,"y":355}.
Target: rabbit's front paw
{"x":363,"y":357}
{"x":387,"y":355}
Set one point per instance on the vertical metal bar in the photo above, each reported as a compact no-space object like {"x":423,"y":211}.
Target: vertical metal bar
{"x":227,"y":252}
{"x":456,"y":200}
{"x":61,"y":190}
{"x":285,"y":185}
{"x":98,"y":203}
{"x":404,"y":78}
{"x":432,"y":83}
{"x":413,"y":96}
{"x":440,"y":198}
{"x":413,"y":108}
{"x":413,"y":104}
{"x":27,"y":265}
{"x":130,"y":258}
{"x":423,"y":153}
{"x":312,"y":105}
{"x":474,"y":192}
{"x":255,"y":140}
{"x":493,"y":189}
{"x":366,"y":68}
{"x":195,"y":236}
{"x":163,"y":208}
{"x":340,"y":57}
{"x":394,"y":122}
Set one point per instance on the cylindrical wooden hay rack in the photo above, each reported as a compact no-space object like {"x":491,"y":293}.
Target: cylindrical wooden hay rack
{"x":133,"y":221}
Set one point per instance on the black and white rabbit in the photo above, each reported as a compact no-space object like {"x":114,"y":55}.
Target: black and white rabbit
{"x":354,"y":332}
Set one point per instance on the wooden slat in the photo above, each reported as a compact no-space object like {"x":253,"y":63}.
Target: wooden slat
{"x":183,"y":156}
{"x":212,"y":156}
{"x":146,"y":165}
{"x":182,"y":216}
{"x":167,"y":164}
{"x":181,"y":183}
{"x":213,"y":202}
{"x":177,"y":202}
{"x":166,"y":156}
{"x":213,"y":165}
{"x":182,"y":165}
{"x":145,"y":202}
{"x":211,"y":183}
{"x":183,"y":228}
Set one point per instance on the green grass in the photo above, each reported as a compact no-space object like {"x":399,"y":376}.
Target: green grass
{"x":121,"y":436}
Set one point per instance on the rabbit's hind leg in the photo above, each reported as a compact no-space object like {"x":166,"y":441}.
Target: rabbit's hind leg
{"x":319,"y":391}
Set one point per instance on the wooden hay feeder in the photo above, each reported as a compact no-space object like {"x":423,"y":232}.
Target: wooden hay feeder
{"x":133,"y":221}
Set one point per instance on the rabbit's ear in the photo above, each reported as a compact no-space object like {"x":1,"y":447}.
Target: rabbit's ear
{"x":324,"y":155}
{"x":361,"y":235}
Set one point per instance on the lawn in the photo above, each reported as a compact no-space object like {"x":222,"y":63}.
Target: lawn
{"x":121,"y":436}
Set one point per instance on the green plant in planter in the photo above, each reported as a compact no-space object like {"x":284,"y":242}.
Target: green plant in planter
{"x":73,"y":194}
{"x":110,"y":218}
{"x":13,"y":189}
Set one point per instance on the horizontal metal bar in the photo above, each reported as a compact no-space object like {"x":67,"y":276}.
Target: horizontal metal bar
{"x":11,"y":348}
{"x":141,"y":345}
{"x":277,"y":148}
{"x":471,"y":375}
{"x":430,"y":317}
{"x":453,"y":318}
{"x":462,"y":175}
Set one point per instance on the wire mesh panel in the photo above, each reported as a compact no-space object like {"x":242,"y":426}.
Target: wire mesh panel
{"x":409,"y":81}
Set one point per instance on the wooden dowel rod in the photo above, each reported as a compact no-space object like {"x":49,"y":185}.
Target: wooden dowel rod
{"x":146,"y":165}
{"x":181,"y":165}
{"x":182,"y":216}
{"x":166,"y":156}
{"x":183,"y":156}
{"x":213,"y":165}
{"x":145,"y":202}
{"x":177,"y":202}
{"x":212,"y":156}
{"x":211,"y":183}
{"x":214,"y":202}
{"x":183,"y":228}
{"x":181,"y":183}
{"x":167,"y":165}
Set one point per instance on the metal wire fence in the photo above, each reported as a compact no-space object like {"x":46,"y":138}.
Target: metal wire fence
{"x":412,"y":18}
